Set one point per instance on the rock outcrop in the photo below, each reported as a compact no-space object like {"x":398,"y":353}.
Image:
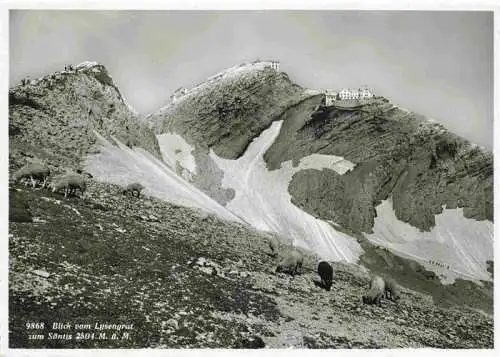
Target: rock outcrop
{"x":419,"y":163}
{"x":55,"y":117}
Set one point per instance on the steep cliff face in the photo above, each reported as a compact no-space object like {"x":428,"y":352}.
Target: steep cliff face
{"x":56,"y":117}
{"x":228,"y":110}
{"x":429,"y":179}
{"x":224,"y":114}
{"x":417,"y":162}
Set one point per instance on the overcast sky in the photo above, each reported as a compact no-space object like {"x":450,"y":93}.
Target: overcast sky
{"x":439,"y":64}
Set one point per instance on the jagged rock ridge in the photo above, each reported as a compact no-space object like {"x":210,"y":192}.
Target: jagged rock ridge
{"x":55,"y":117}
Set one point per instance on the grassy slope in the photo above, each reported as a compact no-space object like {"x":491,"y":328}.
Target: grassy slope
{"x":119,"y":259}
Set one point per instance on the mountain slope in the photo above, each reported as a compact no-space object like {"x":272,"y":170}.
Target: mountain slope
{"x":78,"y":119}
{"x":54,"y":117}
{"x":439,"y":185}
{"x":118,"y":164}
{"x":228,"y":110}
{"x":371,"y":185}
{"x":188,"y":280}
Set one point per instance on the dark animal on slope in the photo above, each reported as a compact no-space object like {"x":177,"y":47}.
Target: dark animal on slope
{"x":291,"y":263}
{"x":133,"y":187}
{"x":325,"y":272}
{"x":392,"y":289}
{"x":85,"y":174}
{"x":376,"y":292}
{"x":252,"y":342}
{"x":33,"y":171}
{"x":70,"y":183}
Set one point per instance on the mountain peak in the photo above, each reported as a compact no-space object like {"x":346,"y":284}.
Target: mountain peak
{"x":245,"y":73}
{"x":65,"y":108}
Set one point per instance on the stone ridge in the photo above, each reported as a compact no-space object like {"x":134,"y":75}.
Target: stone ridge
{"x":229,"y":110}
{"x":419,"y":163}
{"x":53,"y":118}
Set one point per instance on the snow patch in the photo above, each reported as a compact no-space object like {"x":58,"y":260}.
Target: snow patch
{"x":262,"y":198}
{"x":462,"y":244}
{"x":175,"y":149}
{"x":122,"y":165}
{"x":320,"y":161}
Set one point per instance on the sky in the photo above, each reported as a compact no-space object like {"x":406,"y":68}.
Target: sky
{"x":436,"y":63}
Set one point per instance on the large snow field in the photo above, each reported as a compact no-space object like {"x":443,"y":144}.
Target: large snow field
{"x":455,"y":241}
{"x":262,"y":198}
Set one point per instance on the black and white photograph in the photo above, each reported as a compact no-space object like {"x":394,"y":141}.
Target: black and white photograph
{"x":249,"y":178}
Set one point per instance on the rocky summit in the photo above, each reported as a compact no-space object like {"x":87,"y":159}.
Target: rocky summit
{"x":56,"y":117}
{"x":238,"y":171}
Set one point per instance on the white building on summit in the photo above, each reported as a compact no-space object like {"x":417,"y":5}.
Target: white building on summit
{"x":366,"y":93}
{"x":346,"y":94}
{"x":330,"y":96}
{"x":361,"y":93}
{"x":275,"y":65}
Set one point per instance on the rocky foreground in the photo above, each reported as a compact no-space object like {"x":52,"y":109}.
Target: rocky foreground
{"x":185,"y":279}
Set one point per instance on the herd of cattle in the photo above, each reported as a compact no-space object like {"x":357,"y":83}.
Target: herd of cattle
{"x":291,"y":263}
{"x":38,"y":173}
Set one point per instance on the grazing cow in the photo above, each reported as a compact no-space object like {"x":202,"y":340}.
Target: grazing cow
{"x":133,"y":187}
{"x":33,"y":171}
{"x":291,"y":263}
{"x":325,"y":272}
{"x":376,"y":292}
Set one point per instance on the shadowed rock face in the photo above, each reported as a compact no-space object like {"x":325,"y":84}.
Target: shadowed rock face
{"x":419,"y":163}
{"x":54,"y":117}
{"x":224,"y":114}
{"x":227,"y":111}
